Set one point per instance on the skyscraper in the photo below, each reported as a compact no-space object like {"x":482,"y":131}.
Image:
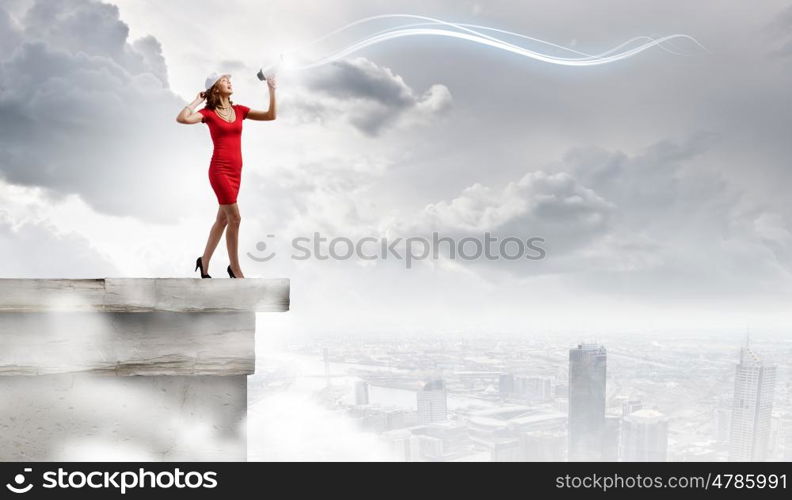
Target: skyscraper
{"x":644,"y":437}
{"x":361,"y":393}
{"x":610,"y":437}
{"x":587,"y":365}
{"x":722,"y":420}
{"x":432,"y":403}
{"x":754,"y":385}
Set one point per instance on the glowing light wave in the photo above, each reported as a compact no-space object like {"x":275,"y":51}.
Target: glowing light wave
{"x":476,"y":34}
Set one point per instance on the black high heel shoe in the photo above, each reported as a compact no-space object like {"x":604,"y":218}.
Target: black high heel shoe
{"x":230,"y":272}
{"x":199,"y":263}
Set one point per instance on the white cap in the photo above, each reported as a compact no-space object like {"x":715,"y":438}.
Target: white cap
{"x":213,"y":77}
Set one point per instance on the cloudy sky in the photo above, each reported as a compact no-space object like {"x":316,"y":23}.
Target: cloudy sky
{"x":660,"y":184}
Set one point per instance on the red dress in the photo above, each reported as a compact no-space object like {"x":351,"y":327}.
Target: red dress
{"x":225,"y":169}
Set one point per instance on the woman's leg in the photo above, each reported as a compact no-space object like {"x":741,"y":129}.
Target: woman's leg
{"x":214,"y":237}
{"x":232,"y":237}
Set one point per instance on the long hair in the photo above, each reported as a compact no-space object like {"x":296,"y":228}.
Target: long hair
{"x":213,"y":97}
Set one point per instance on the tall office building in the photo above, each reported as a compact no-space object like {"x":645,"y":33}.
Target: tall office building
{"x":587,"y":366}
{"x":644,"y":437}
{"x":361,"y":393}
{"x":722,"y":421}
{"x":432,"y":403}
{"x":752,"y":406}
{"x":610,"y":437}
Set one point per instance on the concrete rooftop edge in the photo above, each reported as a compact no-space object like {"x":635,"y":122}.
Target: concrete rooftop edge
{"x":145,"y":294}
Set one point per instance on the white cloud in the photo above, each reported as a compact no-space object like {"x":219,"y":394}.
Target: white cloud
{"x":539,"y":197}
{"x":293,"y":426}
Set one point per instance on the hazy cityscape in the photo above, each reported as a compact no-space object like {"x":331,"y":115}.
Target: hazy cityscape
{"x":612,"y":398}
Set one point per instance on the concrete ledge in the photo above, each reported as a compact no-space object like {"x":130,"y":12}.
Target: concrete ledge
{"x":144,"y":295}
{"x":129,"y":368}
{"x":81,"y":417}
{"x":157,"y":343}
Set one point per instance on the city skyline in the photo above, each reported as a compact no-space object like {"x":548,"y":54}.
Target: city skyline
{"x":492,"y":418}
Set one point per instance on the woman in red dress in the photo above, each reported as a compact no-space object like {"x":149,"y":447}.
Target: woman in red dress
{"x":224,"y":119}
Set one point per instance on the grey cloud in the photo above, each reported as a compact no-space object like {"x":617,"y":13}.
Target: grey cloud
{"x":680,"y":227}
{"x":780,"y":31}
{"x":93,"y":28}
{"x":529,"y":111}
{"x":775,"y":231}
{"x":150,"y":50}
{"x":553,"y":205}
{"x":371,"y":97}
{"x":83,"y":110}
{"x":652,"y":179}
{"x":9,"y":32}
{"x":361,"y":78}
{"x":652,"y":223}
{"x":80,"y":25}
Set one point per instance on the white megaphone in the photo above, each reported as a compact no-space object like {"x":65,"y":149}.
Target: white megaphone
{"x":271,"y":70}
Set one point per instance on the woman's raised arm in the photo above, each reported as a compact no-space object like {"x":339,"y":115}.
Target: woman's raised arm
{"x":188,"y":115}
{"x":272,"y":112}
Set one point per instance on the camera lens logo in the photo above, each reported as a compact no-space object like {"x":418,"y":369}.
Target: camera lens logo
{"x":19,"y":479}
